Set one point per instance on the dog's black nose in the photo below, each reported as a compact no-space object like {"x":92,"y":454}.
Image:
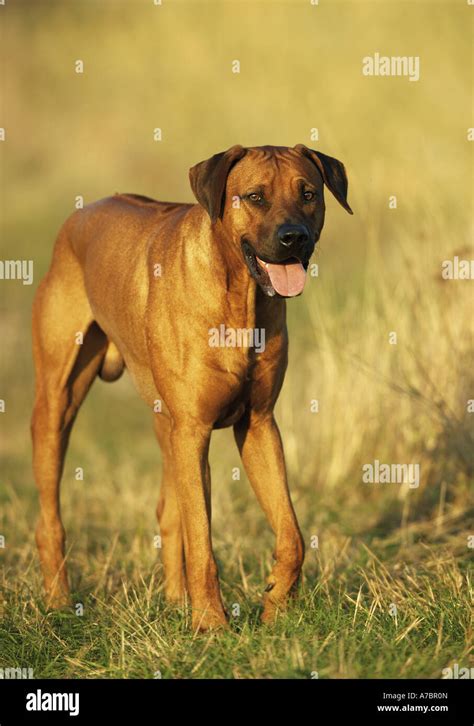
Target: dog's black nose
{"x":291,"y":234}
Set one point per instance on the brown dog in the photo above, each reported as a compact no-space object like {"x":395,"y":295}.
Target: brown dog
{"x":144,"y":282}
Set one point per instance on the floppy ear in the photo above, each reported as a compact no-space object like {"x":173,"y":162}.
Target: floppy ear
{"x":208,"y":179}
{"x":332,"y":171}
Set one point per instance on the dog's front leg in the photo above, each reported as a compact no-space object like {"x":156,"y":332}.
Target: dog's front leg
{"x":259,"y":442}
{"x":190,"y":446}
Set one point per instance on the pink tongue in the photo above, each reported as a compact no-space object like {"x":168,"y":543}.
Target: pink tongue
{"x":288,"y":280}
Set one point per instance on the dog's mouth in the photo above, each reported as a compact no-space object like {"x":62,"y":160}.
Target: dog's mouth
{"x":286,"y":278}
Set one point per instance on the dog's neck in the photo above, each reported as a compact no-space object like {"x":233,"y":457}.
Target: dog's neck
{"x":260,"y":309}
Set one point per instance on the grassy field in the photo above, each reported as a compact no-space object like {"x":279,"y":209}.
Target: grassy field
{"x":388,"y":590}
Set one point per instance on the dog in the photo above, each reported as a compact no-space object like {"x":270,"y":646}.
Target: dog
{"x":139,"y":283}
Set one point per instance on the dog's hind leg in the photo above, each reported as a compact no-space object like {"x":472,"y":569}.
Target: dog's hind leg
{"x":68,"y":350}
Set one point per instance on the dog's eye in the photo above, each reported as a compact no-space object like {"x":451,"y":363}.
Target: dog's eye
{"x":255,"y":197}
{"x":308,"y":196}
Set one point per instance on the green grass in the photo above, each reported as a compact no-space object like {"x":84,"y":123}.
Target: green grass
{"x":338,"y":626}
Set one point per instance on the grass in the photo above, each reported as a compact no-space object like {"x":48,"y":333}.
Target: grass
{"x":340,"y":625}
{"x":379,"y":272}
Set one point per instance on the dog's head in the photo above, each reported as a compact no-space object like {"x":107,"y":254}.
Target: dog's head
{"x":270,"y":200}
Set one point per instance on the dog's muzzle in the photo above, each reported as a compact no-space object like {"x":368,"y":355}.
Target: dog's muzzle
{"x":285,"y":278}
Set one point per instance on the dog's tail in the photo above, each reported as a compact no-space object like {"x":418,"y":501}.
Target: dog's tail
{"x":113,"y":364}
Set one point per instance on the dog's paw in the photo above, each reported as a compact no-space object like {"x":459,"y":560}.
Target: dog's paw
{"x":206,"y":620}
{"x":58,"y":600}
{"x":175,"y":596}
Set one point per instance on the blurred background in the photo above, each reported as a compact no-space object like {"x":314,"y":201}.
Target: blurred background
{"x":169,"y":67}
